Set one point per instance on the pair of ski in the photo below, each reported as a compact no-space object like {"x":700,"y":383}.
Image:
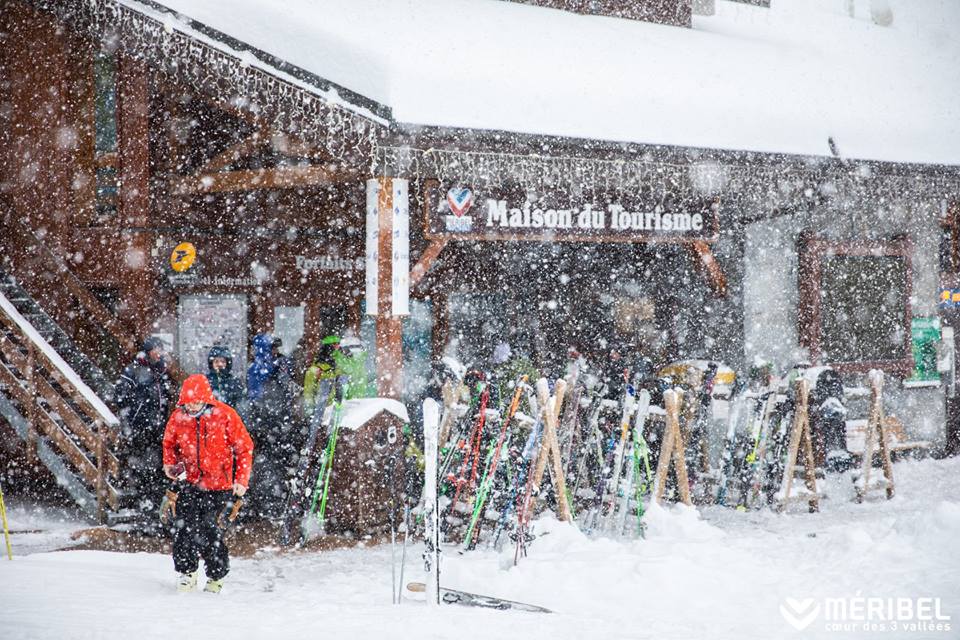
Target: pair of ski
{"x":612,"y":503}
{"x":492,"y":465}
{"x":750,"y":414}
{"x":294,"y":512}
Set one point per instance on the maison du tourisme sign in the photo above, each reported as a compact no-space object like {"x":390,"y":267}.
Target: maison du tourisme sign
{"x":457,"y":211}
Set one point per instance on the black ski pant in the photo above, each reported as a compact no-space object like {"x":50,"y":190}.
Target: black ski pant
{"x":197,"y":533}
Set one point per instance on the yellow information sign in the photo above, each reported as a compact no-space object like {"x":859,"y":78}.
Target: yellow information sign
{"x":183,"y":256}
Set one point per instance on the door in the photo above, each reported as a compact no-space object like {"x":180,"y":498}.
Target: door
{"x":208,"y":319}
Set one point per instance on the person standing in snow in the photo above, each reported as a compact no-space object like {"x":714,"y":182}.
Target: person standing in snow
{"x":143,"y":395}
{"x":226,"y":387}
{"x":506,"y":368}
{"x":351,"y":361}
{"x":209,"y":454}
{"x":277,"y":429}
{"x":324,"y":367}
{"x":261,"y":367}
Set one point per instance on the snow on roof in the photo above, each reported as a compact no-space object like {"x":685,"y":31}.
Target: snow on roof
{"x":781,"y":79}
{"x":360,"y":411}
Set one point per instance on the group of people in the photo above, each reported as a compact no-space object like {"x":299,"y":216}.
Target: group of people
{"x":187,"y":459}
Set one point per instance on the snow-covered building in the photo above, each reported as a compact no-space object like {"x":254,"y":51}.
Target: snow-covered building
{"x":748,"y":180}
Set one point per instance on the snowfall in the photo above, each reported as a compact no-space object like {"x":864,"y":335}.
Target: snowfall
{"x":708,"y":573}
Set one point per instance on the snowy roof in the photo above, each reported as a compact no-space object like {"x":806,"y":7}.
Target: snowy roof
{"x":360,"y":411}
{"x":781,"y":79}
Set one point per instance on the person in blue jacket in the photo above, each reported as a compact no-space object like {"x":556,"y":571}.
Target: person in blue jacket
{"x":262,"y":366}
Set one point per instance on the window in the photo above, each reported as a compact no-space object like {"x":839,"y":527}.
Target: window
{"x":105,"y":133}
{"x":855,"y":303}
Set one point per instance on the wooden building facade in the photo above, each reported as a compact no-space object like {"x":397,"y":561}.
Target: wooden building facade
{"x":123,"y":138}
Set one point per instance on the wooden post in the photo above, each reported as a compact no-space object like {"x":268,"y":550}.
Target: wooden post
{"x":31,"y":405}
{"x":389,"y":356}
{"x":101,"y":487}
{"x":875,"y":436}
{"x":450,"y":391}
{"x":133,"y":151}
{"x":706,"y":262}
{"x":810,"y":467}
{"x":672,"y":447}
{"x":441,"y":324}
{"x":800,"y":432}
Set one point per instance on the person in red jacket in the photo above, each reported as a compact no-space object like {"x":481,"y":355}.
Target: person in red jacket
{"x":207,"y":450}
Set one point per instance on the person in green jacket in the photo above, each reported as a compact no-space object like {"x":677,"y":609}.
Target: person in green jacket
{"x":324,"y":367}
{"x":351,"y":360}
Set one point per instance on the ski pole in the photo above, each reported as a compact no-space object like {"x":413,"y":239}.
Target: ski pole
{"x":337,"y":418}
{"x":392,"y":515}
{"x":321,"y":513}
{"x":6,"y":528}
{"x":403,"y":552}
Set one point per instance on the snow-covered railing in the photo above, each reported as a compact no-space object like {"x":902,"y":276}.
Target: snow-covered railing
{"x":57,"y":404}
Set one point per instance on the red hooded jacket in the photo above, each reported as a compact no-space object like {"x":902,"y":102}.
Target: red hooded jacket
{"x":214,"y":446}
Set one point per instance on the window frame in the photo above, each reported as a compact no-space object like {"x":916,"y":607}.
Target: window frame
{"x":811,"y":252}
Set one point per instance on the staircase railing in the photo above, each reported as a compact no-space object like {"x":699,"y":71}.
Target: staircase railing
{"x":59,"y":412}
{"x":66,"y":346}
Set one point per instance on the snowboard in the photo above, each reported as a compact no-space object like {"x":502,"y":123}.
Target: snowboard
{"x":452,"y":596}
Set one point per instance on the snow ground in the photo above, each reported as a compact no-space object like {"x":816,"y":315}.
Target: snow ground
{"x":717,"y":574}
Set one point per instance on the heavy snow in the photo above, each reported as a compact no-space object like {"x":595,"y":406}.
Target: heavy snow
{"x":717,"y":573}
{"x":779,"y":79}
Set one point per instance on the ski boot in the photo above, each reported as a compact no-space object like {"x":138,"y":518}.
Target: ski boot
{"x":187,"y":581}
{"x":214,"y":586}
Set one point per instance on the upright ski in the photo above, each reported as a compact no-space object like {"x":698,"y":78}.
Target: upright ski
{"x":321,"y":488}
{"x":431,"y":533}
{"x":298,"y":489}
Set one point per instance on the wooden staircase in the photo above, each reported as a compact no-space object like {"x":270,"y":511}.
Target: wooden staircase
{"x":62,"y":343}
{"x":63,"y":422}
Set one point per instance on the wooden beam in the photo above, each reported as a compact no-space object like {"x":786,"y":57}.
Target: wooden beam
{"x":550,"y":449}
{"x":707,"y":263}
{"x":234,"y":152}
{"x":427,"y":259}
{"x":672,"y":450}
{"x":255,"y":179}
{"x":800,"y":433}
{"x":261,"y":138}
{"x":875,"y":439}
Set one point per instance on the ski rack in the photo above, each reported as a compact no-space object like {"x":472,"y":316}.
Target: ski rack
{"x":672,"y":447}
{"x":800,"y":434}
{"x":875,"y":437}
{"x":450,"y":393}
{"x":550,"y":448}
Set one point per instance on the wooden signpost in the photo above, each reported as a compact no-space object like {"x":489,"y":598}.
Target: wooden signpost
{"x":672,"y":447}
